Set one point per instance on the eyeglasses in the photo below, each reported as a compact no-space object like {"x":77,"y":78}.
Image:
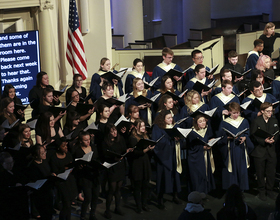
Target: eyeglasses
{"x":268,"y":111}
{"x":199,"y":58}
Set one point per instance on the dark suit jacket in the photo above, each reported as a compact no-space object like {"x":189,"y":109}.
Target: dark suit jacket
{"x":260,"y":145}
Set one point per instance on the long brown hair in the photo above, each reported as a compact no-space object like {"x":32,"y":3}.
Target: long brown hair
{"x":268,"y":25}
{"x":44,"y":125}
{"x":108,"y":137}
{"x":4,"y":104}
{"x":22,"y":127}
{"x":162,"y":85}
{"x":102,"y":62}
{"x":137,"y":124}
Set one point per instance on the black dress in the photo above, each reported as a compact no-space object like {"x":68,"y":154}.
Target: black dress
{"x":100,"y":138}
{"x":67,"y":189}
{"x":117,"y":172}
{"x":42,"y":199}
{"x":140,"y":162}
{"x":12,"y":197}
{"x":88,"y":180}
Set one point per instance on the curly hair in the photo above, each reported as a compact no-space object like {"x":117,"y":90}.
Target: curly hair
{"x":160,"y":119}
{"x":163,"y":101}
{"x":188,"y":99}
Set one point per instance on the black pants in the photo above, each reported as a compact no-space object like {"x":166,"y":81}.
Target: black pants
{"x":265,"y":167}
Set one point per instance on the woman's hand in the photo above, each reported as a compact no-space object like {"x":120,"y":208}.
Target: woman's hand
{"x":56,"y":98}
{"x":269,"y":140}
{"x":20,"y":112}
{"x":225,"y":112}
{"x":90,"y":112}
{"x":112,"y":108}
{"x":115,"y":81}
{"x":129,"y":150}
{"x":61,"y":114}
{"x":242,"y":140}
{"x":177,"y":78}
{"x":142,"y":106}
{"x":148,"y":105}
{"x":101,"y":81}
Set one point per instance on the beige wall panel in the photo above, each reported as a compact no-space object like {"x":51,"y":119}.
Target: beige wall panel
{"x":245,"y":41}
{"x":5,"y":4}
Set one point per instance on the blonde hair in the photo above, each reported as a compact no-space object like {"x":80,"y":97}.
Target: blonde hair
{"x":268,"y":25}
{"x":144,"y":92}
{"x":188,"y":99}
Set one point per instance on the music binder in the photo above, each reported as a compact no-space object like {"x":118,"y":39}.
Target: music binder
{"x":238,"y":133}
{"x":178,"y":132}
{"x":264,"y":134}
{"x":206,"y":114}
{"x":212,"y":71}
{"x":198,"y":86}
{"x":150,"y":84}
{"x":59,"y":93}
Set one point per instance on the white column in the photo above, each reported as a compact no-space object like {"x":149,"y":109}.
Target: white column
{"x":45,"y":39}
{"x":128,"y":19}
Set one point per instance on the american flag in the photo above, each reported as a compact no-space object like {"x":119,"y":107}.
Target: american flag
{"x":75,"y":52}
